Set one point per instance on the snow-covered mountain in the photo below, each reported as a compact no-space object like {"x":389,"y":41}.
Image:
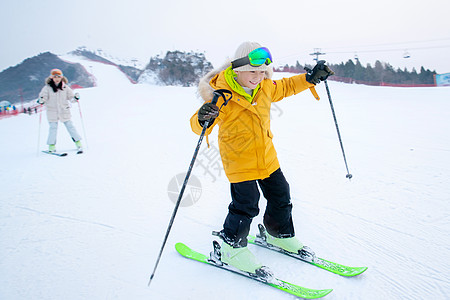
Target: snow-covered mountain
{"x":90,"y":226}
{"x":23,"y":82}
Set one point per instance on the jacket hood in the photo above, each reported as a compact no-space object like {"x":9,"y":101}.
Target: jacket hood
{"x":205,"y":90}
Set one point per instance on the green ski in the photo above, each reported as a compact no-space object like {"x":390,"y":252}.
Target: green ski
{"x":306,"y":255}
{"x":273,"y":282}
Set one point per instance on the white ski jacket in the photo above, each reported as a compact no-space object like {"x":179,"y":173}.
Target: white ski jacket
{"x":57,"y":104}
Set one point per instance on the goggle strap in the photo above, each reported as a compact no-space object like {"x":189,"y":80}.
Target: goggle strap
{"x":246,"y":59}
{"x":240,"y":62}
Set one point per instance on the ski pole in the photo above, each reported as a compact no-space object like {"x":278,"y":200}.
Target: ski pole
{"x":39,"y":131}
{"x":217,"y":94}
{"x":349,"y":176}
{"x":82,"y":124}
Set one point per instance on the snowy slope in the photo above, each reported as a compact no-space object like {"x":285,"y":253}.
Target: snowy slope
{"x":90,"y":226}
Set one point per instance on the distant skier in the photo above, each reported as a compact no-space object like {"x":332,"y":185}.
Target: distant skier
{"x":248,"y":154}
{"x":57,"y":95}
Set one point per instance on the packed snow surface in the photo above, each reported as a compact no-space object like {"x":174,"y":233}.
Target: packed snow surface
{"x":91,"y":226}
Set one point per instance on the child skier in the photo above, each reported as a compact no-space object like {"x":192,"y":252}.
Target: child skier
{"x":248,"y":154}
{"x":56,"y":95}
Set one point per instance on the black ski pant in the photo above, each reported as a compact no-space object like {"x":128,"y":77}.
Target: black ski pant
{"x":244,"y":207}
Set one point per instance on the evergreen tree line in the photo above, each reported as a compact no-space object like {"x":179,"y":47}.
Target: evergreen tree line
{"x":179,"y":68}
{"x":381,"y":73}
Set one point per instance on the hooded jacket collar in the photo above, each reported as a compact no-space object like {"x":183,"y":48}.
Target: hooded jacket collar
{"x":212,"y":81}
{"x":230,"y":77}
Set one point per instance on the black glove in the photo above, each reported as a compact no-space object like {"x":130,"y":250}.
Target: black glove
{"x":320,"y":72}
{"x":208,"y":111}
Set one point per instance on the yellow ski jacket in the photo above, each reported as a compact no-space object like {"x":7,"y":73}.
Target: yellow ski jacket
{"x":245,"y":138}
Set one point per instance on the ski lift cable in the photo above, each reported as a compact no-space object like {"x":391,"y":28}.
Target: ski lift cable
{"x":380,"y":50}
{"x":390,"y":50}
{"x":394,"y":43}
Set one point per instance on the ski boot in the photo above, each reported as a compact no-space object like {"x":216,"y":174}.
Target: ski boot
{"x":241,"y":258}
{"x":238,"y":257}
{"x":289,"y":244}
{"x":79,"y":147}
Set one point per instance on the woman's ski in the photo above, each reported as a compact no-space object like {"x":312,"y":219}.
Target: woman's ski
{"x":55,"y":153}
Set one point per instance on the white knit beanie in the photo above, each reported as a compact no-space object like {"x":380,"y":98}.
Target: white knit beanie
{"x":243,"y":50}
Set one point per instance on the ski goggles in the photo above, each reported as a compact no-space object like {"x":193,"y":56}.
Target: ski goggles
{"x":56,"y":73}
{"x":256,"y":58}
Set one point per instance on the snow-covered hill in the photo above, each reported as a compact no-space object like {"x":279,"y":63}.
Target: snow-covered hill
{"x":90,"y":226}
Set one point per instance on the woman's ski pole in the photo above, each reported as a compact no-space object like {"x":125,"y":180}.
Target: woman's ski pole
{"x":82,"y":124}
{"x":217,"y":94}
{"x":39,"y":131}
{"x":349,"y":176}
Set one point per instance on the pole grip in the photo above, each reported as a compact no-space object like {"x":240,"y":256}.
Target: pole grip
{"x":221,"y":93}
{"x":216,"y":95}
{"x":215,"y":98}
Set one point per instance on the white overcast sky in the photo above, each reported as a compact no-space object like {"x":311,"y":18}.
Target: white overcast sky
{"x":291,"y":29}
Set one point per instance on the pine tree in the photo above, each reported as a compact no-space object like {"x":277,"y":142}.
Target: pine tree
{"x":370,"y":75}
{"x":359,"y":73}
